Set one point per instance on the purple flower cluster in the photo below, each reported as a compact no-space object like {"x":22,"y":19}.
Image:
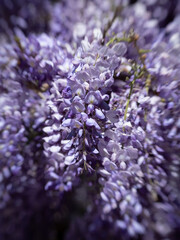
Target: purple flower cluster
{"x":90,"y":120}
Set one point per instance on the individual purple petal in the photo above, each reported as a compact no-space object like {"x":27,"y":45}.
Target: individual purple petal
{"x":78,"y":107}
{"x":139,"y":228}
{"x":104,"y":197}
{"x":119,"y":49}
{"x":110,"y":166}
{"x":90,"y":108}
{"x":83,"y":76}
{"x":132,"y":152}
{"x":92,"y":98}
{"x":76,"y":124}
{"x":102,"y":147}
{"x":112,"y":115}
{"x":79,"y":90}
{"x":66,"y":123}
{"x":48,"y":130}
{"x":91,"y":122}
{"x":69,"y":160}
{"x":67,"y":144}
{"x":99,"y":114}
{"x":84,"y":116}
{"x":110,"y":134}
{"x":54,"y":149}
{"x":104,"y":173}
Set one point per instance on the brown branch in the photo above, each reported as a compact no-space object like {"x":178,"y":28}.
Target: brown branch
{"x":116,"y":12}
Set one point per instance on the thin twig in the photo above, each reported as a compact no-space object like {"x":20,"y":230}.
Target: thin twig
{"x":116,"y":12}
